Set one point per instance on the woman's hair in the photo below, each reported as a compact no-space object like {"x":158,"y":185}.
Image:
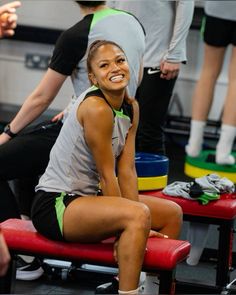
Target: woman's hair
{"x":93,"y":49}
{"x":88,"y":3}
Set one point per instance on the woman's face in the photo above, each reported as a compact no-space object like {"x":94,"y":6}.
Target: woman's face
{"x":110,"y":70}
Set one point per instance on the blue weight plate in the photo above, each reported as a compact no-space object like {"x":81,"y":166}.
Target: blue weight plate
{"x":151,"y":165}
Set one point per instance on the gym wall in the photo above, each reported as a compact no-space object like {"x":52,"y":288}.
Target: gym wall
{"x":23,"y":58}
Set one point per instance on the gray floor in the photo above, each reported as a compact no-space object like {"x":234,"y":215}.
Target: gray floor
{"x":85,"y":282}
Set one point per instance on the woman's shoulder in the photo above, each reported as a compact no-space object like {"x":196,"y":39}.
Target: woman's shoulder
{"x":94,"y":107}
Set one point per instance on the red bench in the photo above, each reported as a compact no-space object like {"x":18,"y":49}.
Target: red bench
{"x":221,"y":212}
{"x":162,"y":255}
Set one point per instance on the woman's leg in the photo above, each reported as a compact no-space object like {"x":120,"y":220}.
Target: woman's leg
{"x":228,"y":128}
{"x":203,"y":96}
{"x":166,"y":215}
{"x":92,"y":219}
{"x":229,"y":115}
{"x":204,"y":91}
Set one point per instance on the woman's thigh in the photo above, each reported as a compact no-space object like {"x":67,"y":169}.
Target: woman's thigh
{"x":92,"y":219}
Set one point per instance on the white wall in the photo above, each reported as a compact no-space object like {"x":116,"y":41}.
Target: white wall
{"x":58,"y":14}
{"x":16,"y":81}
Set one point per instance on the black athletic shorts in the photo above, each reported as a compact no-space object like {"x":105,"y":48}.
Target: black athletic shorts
{"x":218,"y":32}
{"x":47,"y":213}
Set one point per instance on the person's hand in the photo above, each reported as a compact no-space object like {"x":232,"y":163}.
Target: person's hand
{"x":169,"y":70}
{"x":115,"y":248}
{"x":58,"y":117}
{"x":8,"y":18}
{"x":4,"y":138}
{"x":156,"y":234}
{"x":4,"y":256}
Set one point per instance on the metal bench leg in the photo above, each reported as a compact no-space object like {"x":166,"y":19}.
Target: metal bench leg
{"x":224,"y":254}
{"x":167,"y":282}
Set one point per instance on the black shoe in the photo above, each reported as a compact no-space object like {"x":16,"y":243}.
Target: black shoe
{"x":28,"y":271}
{"x":108,"y":288}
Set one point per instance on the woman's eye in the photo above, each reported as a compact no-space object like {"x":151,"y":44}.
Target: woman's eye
{"x":103,"y":65}
{"x":121,"y":60}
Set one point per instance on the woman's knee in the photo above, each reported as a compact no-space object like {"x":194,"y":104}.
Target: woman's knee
{"x":140,"y":217}
{"x":176,"y":213}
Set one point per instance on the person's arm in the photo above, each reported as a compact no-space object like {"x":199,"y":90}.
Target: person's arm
{"x":126,"y":171}
{"x":97,"y":120}
{"x":4,"y":255}
{"x":8,"y":18}
{"x":36,"y":103}
{"x":172,"y":59}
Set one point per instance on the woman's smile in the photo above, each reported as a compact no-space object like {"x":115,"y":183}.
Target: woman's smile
{"x":117,"y":78}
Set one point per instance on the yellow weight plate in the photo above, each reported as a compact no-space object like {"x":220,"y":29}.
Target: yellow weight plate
{"x":152,"y":183}
{"x":195,"y":172}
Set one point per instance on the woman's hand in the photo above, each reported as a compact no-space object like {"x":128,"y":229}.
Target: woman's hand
{"x":156,"y":234}
{"x":115,"y":247}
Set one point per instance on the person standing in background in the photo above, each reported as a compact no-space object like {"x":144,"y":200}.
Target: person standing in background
{"x":167,"y":25}
{"x":219,"y":31}
{"x":8,"y":21}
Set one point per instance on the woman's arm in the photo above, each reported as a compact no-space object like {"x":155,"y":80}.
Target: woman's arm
{"x":126,"y":171}
{"x":97,"y":119}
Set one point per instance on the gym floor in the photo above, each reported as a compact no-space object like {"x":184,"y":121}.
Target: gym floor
{"x":84,"y":282}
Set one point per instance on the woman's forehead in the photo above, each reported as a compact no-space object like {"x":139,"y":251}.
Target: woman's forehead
{"x":110,"y":49}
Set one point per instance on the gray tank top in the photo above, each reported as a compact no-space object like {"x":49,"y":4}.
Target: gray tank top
{"x":71,"y":167}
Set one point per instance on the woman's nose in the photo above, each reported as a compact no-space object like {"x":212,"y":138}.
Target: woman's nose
{"x":115,"y":67}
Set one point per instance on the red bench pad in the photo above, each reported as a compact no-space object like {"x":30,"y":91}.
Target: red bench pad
{"x":20,"y":235}
{"x":224,"y":208}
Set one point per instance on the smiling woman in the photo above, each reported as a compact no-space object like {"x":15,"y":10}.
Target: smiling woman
{"x":96,"y":146}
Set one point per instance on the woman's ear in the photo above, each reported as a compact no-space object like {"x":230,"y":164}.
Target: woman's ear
{"x":93,"y":79}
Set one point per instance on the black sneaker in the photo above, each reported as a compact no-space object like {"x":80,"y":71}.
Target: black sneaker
{"x":108,"y":288}
{"x":28,"y":271}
